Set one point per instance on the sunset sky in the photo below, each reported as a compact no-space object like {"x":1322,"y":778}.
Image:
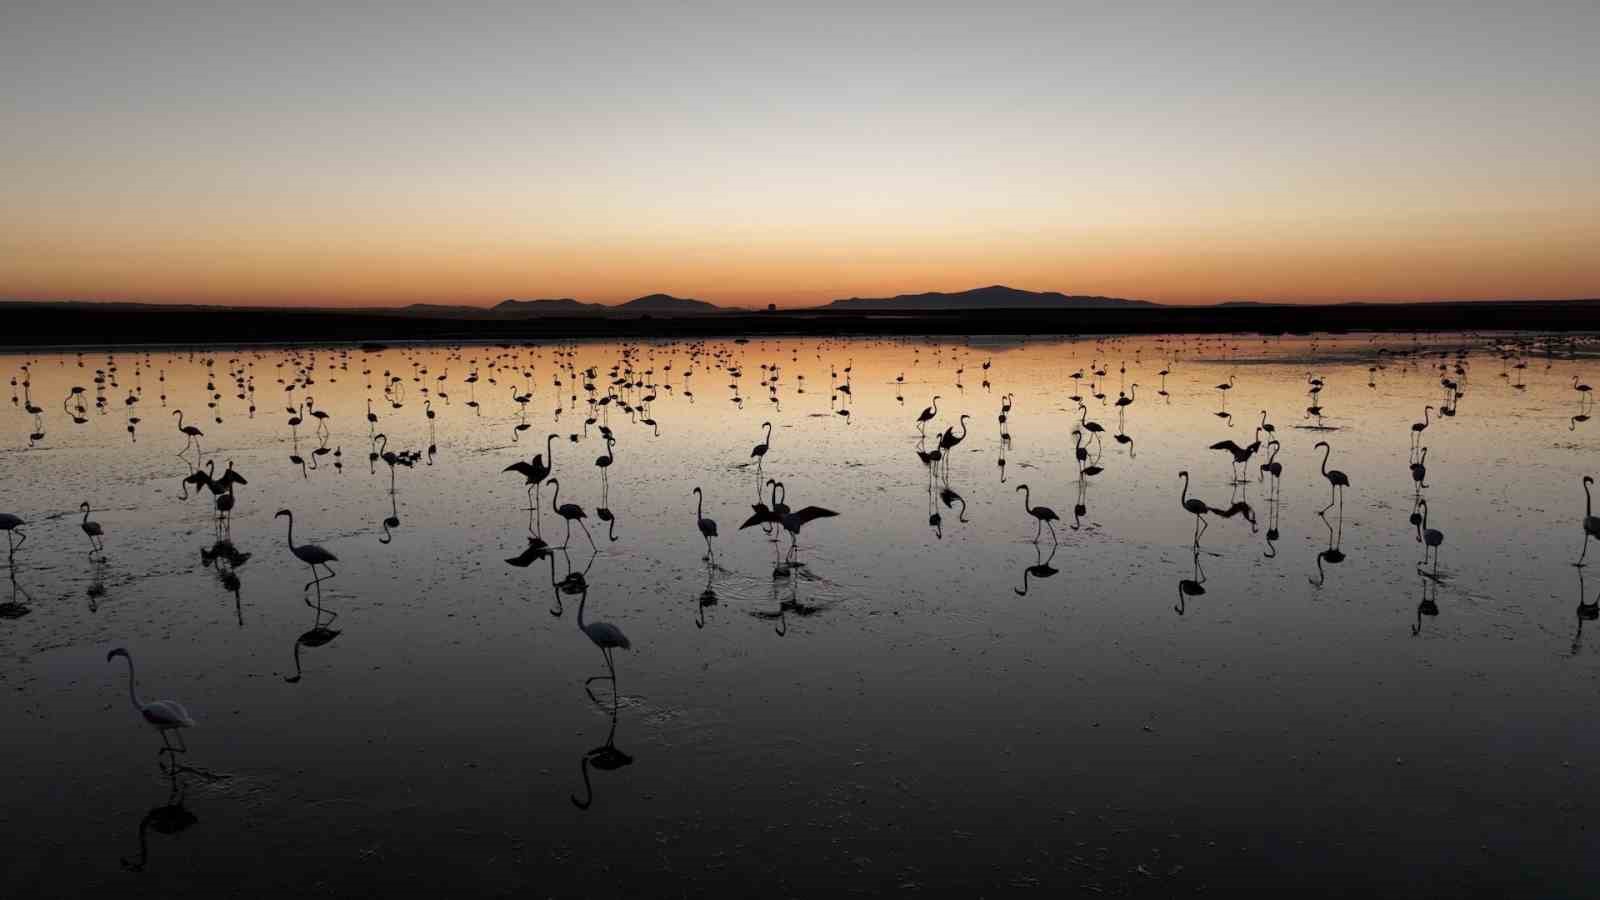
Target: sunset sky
{"x":325,"y":153}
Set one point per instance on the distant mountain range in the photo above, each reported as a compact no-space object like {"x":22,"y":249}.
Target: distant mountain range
{"x":996,"y":296}
{"x":650,"y":304}
{"x":992,"y":297}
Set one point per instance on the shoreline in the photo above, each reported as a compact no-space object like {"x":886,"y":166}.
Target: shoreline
{"x":67,"y":326}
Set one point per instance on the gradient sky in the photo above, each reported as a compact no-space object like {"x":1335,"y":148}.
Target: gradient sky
{"x":365,"y":154}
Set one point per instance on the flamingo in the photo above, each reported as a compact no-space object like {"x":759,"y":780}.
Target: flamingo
{"x":1336,"y":478}
{"x":793,"y":521}
{"x":1241,"y":455}
{"x":12,"y":524}
{"x":572,"y":512}
{"x":1417,"y":428}
{"x":189,"y":431}
{"x":950,"y":439}
{"x":1195,"y":506}
{"x":927,"y":415}
{"x":91,"y":529}
{"x":1591,"y":522}
{"x":165,"y":716}
{"x":607,"y":637}
{"x":1044,"y":514}
{"x":759,"y":451}
{"x":603,"y":463}
{"x":1093,"y":428}
{"x":1272,"y":466}
{"x":312,"y":555}
{"x":537,"y":470}
{"x":1432,"y":539}
{"x":1419,"y":470}
{"x":708,"y":528}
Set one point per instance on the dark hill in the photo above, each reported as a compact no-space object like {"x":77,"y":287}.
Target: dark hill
{"x":993,"y":297}
{"x":666,"y":303}
{"x":565,"y":306}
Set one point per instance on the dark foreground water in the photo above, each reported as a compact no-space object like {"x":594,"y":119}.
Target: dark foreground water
{"x":925,"y":701}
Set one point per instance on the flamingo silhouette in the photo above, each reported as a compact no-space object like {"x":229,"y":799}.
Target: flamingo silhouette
{"x":1337,"y":480}
{"x":1591,"y":522}
{"x":708,"y":528}
{"x":571,"y":512}
{"x":1194,"y":506}
{"x":1043,"y":514}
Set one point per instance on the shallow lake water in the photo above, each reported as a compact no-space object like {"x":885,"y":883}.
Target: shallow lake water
{"x":926,"y":700}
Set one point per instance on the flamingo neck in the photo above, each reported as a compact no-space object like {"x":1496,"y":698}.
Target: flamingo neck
{"x":699,"y":504}
{"x":1326,"y":452}
{"x":290,"y":537}
{"x":1588,"y":502}
{"x":133,"y":696}
{"x":556,"y":497}
{"x":550,"y":450}
{"x":1185,"y":498}
{"x":581,"y":601}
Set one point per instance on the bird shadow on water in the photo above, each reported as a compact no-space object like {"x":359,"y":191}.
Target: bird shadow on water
{"x":606,"y":758}
{"x":1194,"y":586}
{"x":1334,"y":555}
{"x":1429,"y":605}
{"x":1041,"y":568}
{"x":1587,"y":611}
{"x":172,"y":817}
{"x":15,"y":608}
{"x":320,"y":634}
{"x":224,"y":559}
{"x":822,"y":598}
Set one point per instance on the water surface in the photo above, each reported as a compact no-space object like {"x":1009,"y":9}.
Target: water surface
{"x":920,"y":704}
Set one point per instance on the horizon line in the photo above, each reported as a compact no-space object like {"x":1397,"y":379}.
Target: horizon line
{"x":489,"y":306}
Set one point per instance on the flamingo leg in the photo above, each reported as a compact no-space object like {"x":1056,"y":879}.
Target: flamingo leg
{"x":588,"y":535}
{"x":1585,"y":550}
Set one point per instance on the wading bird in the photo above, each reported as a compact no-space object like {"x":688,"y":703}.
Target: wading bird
{"x":1044,"y":514}
{"x":708,"y":528}
{"x":312,"y":555}
{"x":12,"y":524}
{"x":571,"y":512}
{"x":759,"y":451}
{"x":1431,"y":538}
{"x":1337,"y":480}
{"x":1194,"y":506}
{"x":607,"y":637}
{"x":1591,"y":522}
{"x":165,"y":716}
{"x":537,"y":470}
{"x":928,"y":414}
{"x":92,"y":530}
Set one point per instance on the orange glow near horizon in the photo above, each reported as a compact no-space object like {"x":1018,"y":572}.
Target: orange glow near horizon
{"x":363,"y":264}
